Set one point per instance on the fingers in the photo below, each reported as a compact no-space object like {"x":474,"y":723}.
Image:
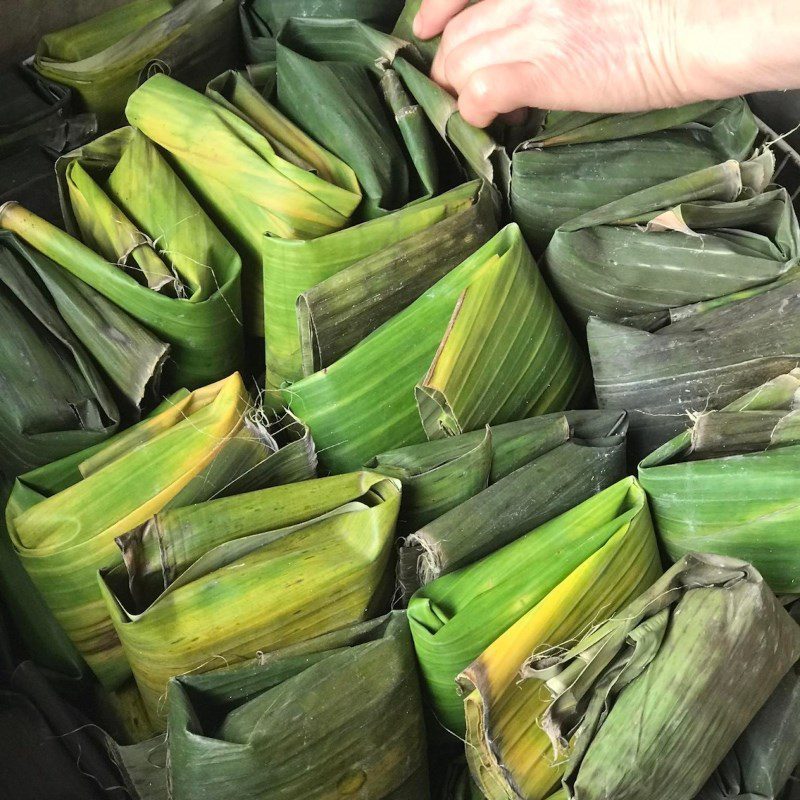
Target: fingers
{"x":485,"y":50}
{"x":433,"y":15}
{"x":479,"y":20}
{"x":499,"y":89}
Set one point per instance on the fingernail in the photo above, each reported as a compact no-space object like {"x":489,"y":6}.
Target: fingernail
{"x":418,"y":25}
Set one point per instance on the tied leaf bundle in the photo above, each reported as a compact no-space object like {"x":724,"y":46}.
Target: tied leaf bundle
{"x":338,"y":715}
{"x":563,"y":574}
{"x":223,"y":580}
{"x":704,"y":237}
{"x":466,"y":496}
{"x":650,"y":701}
{"x":63,"y":518}
{"x":323,"y":296}
{"x":709,"y":356}
{"x":106,"y":57}
{"x":66,"y":355}
{"x":579,"y":162}
{"x":253,"y":169}
{"x":263,"y":20}
{"x":485,"y":344}
{"x":204,"y":329}
{"x":729,"y":484}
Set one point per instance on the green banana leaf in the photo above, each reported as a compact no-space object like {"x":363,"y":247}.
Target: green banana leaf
{"x":66,"y":355}
{"x":494,"y":346}
{"x":729,"y":484}
{"x":662,"y":690}
{"x":63,"y":518}
{"x":761,"y":762}
{"x":403,"y":29}
{"x":105,"y":58}
{"x":682,"y":242}
{"x":338,"y":715}
{"x":258,"y":584}
{"x":333,"y":80}
{"x":709,"y":356}
{"x":253,"y":170}
{"x":323,"y":296}
{"x":579,"y":162}
{"x":204,"y":330}
{"x":497,"y":485}
{"x":458,"y":616}
{"x":262,"y":20}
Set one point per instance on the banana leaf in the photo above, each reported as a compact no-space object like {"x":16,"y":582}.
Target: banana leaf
{"x":66,"y":354}
{"x":457,"y":617}
{"x":729,"y":484}
{"x":495,"y":348}
{"x":323,"y":296}
{"x":253,"y":170}
{"x":63,"y":518}
{"x":709,"y":356}
{"x":654,"y":698}
{"x":507,"y":750}
{"x":579,"y":162}
{"x":497,"y":485}
{"x":682,"y":242}
{"x":761,"y":762}
{"x":262,"y":20}
{"x":105,"y":58}
{"x":204,"y":329}
{"x":258,"y":584}
{"x":333,"y":80}
{"x":338,"y":715}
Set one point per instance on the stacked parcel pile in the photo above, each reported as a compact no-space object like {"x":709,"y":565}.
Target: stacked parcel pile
{"x":320,"y":416}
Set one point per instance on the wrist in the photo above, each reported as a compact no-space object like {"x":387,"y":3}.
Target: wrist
{"x":725,"y":48}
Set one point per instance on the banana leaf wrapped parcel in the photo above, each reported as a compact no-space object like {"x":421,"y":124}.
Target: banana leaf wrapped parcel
{"x":232,"y":577}
{"x":711,"y":354}
{"x":467,"y":496}
{"x":579,"y":162}
{"x":762,"y":760}
{"x":708,"y":235}
{"x":323,"y":296}
{"x":262,"y":20}
{"x":63,"y":518}
{"x":581,"y":564}
{"x":149,"y":250}
{"x":338,"y":715}
{"x":648,"y":703}
{"x":729,"y":484}
{"x":72,"y":364}
{"x":104,"y":58}
{"x":254,"y":171}
{"x":485,"y":344}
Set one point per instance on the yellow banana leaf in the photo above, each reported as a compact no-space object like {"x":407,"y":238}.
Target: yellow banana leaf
{"x":458,"y":616}
{"x":63,"y":518}
{"x":258,"y":584}
{"x":508,"y":752}
{"x":253,"y":169}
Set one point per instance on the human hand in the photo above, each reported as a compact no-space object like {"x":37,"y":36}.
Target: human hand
{"x":608,"y":55}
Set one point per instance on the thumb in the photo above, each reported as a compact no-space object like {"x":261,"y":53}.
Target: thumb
{"x":499,"y":89}
{"x":433,"y":16}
